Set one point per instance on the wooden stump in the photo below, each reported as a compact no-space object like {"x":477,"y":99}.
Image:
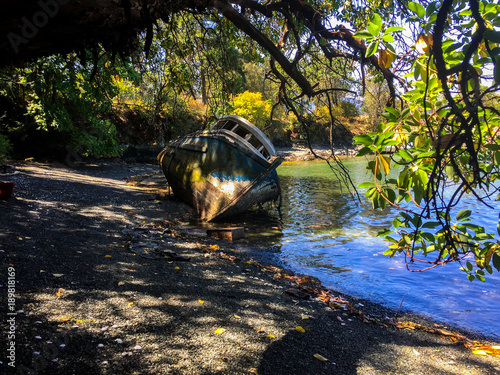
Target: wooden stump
{"x":228,"y":234}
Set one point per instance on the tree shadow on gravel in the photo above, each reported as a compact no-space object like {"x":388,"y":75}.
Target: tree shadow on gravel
{"x":360,"y":348}
{"x":88,"y":305}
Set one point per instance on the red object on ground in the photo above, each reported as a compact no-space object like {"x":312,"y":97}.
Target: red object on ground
{"x":6,"y":190}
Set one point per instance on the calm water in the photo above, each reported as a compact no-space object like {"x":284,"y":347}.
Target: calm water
{"x":327,"y":234}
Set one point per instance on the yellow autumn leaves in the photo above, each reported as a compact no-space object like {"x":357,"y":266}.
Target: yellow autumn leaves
{"x":220,"y":331}
{"x":385,"y":58}
{"x":424,"y":43}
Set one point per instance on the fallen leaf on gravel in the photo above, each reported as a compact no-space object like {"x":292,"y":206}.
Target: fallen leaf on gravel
{"x":300,"y":329}
{"x":120,"y":283}
{"x":237,"y":317}
{"x":201,"y":301}
{"x":271,"y":336}
{"x":58,"y":274}
{"x":42,"y":271}
{"x":65,"y":319}
{"x":416,"y":353}
{"x":320,"y":357}
{"x":131,"y":303}
{"x":220,"y":331}
{"x":176,"y":268}
{"x":487,"y":350}
{"x":107,"y":256}
{"x":60,"y":291}
{"x":305,"y":317}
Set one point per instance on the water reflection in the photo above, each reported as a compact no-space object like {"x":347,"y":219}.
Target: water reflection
{"x":324,"y":232}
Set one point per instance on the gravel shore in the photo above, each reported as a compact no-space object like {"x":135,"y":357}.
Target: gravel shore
{"x":107,"y":281}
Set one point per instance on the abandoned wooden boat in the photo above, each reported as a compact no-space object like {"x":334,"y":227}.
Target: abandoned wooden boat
{"x":223,"y":171}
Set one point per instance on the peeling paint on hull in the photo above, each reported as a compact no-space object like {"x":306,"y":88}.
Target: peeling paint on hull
{"x":217,"y":175}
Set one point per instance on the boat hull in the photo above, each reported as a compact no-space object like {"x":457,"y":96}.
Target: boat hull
{"x":217,"y":176}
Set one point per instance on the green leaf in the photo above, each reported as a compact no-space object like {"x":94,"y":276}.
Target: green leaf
{"x":463,"y":214}
{"x":372,"y":48}
{"x":384,"y":232}
{"x":483,"y":236}
{"x":496,"y":157}
{"x":496,"y":71}
{"x":493,"y":146}
{"x":365,"y":185}
{"x":363,"y":139}
{"x":393,"y":111}
{"x":388,"y":38}
{"x":480,"y":278}
{"x":390,"y":252}
{"x":431,"y":224}
{"x":363,"y":34}
{"x":431,"y":9}
{"x":377,"y":20}
{"x":404,"y":154}
{"x":373,"y":29}
{"x":496,"y":261}
{"x":364,"y":151}
{"x":393,"y":29}
{"x":382,"y":137}
{"x":417,"y":8}
{"x":492,"y":35}
{"x":429,"y":237}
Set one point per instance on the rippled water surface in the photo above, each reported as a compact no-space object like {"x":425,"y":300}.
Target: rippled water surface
{"x":326,"y":233}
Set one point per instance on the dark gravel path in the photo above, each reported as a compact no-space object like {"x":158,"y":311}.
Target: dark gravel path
{"x":97,"y":292}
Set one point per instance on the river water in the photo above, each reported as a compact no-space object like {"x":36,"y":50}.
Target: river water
{"x":324,"y":232}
